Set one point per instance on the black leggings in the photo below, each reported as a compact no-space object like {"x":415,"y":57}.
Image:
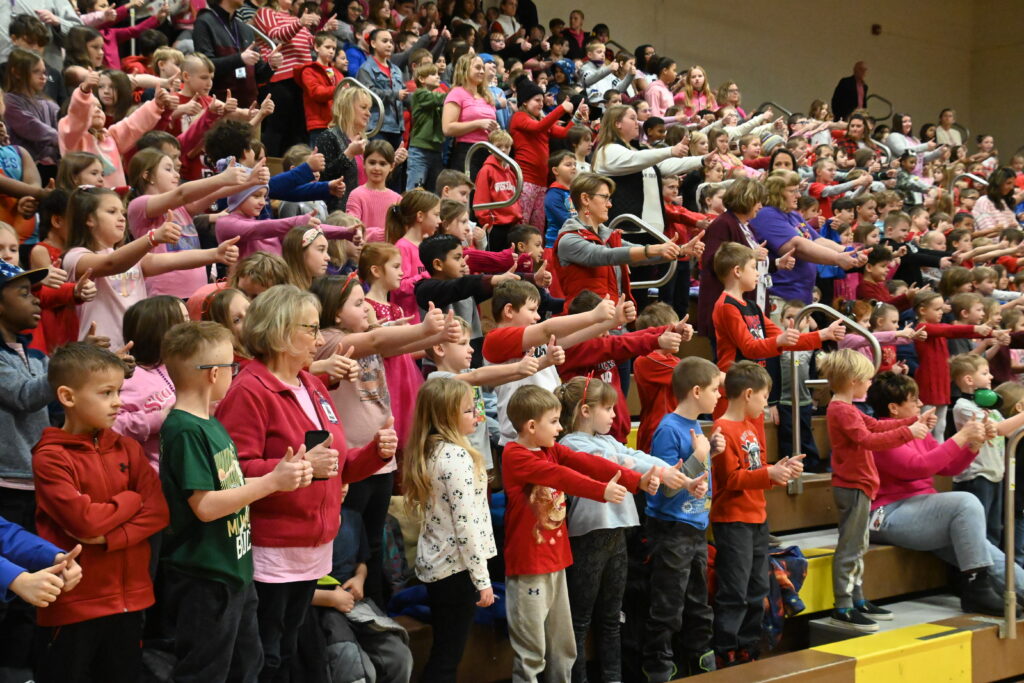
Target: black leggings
{"x":371,"y":498}
{"x":452,"y":605}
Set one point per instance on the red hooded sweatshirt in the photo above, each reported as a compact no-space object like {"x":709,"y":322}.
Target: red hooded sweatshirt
{"x":98,"y":485}
{"x":602,"y":356}
{"x":264,"y":418}
{"x":496,"y":183}
{"x":318,"y":83}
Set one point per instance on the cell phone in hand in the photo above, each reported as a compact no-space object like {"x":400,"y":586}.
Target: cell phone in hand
{"x":315,"y":437}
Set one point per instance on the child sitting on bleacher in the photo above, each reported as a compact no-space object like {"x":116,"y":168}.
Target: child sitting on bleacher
{"x":855,"y":479}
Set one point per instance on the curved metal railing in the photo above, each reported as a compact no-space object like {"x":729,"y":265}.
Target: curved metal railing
{"x":884,"y":100}
{"x":476,"y":147}
{"x":796,"y":486}
{"x":965,"y":132}
{"x":643,"y":226}
{"x":970,"y":176}
{"x":885,"y":148}
{"x":373,"y":96}
{"x":761,"y":107}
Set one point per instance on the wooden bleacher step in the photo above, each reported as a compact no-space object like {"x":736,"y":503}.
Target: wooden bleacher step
{"x":905,"y":613}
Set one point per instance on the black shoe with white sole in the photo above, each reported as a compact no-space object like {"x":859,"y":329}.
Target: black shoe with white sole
{"x":873,"y":612}
{"x":853,"y":620}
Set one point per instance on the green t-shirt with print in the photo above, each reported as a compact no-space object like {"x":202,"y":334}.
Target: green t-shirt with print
{"x":199,"y":455}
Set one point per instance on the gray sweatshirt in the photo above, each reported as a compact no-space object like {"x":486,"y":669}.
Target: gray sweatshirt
{"x":23,"y":399}
{"x":574,"y":249}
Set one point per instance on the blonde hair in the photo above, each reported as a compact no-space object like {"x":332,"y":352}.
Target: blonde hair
{"x":162,"y":54}
{"x":7,"y":227}
{"x":499,"y":137}
{"x":191,"y":341}
{"x":435,"y":423}
{"x":343,"y":110}
{"x":608,"y":134}
{"x":272,"y":319}
{"x":776,"y":184}
{"x":293,"y":253}
{"x":1012,"y":393}
{"x":579,"y":392}
{"x":706,"y":90}
{"x":460,"y":78}
{"x":843,"y":367}
{"x":193,"y":58}
{"x":964,"y":364}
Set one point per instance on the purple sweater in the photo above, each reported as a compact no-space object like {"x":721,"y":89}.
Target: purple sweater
{"x":265,"y":235}
{"x":32,"y":124}
{"x":907,"y":470}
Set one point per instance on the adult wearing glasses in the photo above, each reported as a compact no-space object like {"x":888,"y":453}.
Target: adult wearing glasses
{"x":273,"y":408}
{"x":588,"y":255}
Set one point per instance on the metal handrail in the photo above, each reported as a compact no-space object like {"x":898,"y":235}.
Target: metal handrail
{"x":769,"y":103}
{"x":795,"y":486}
{"x":508,"y":160}
{"x":965,"y":132}
{"x":622,"y":48}
{"x":380,"y":104}
{"x":884,"y":100}
{"x":646,"y":227}
{"x":1008,"y":627}
{"x":885,"y":148}
{"x":970,"y":176}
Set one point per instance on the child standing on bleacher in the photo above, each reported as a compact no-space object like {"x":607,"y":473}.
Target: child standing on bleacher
{"x":855,"y":479}
{"x":739,"y":514}
{"x":677,"y":530}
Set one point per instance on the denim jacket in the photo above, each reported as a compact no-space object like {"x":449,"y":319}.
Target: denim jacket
{"x":387,"y":90}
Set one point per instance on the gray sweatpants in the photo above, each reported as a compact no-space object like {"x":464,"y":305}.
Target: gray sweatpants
{"x":854,"y":509}
{"x":540,"y":627}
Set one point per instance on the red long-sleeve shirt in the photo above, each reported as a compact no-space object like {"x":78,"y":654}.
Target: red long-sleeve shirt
{"x":854,"y":435}
{"x":745,"y":333}
{"x":531,"y":137}
{"x":497,"y":182}
{"x":682,"y":222}
{"x":90,"y":485}
{"x":877,"y":291}
{"x":933,"y":361}
{"x":602,"y":356}
{"x":536,"y":483}
{"x":318,"y":83}
{"x":653,"y":376}
{"x":740,"y":473}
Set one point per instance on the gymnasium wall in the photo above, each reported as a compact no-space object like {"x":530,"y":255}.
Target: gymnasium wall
{"x":928,"y":55}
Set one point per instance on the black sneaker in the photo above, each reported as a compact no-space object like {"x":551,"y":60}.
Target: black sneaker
{"x":850,"y":618}
{"x":873,"y":611}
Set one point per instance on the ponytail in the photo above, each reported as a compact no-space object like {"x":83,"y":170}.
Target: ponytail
{"x":402,"y":216}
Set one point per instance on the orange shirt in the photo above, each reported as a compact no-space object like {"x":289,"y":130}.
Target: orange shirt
{"x":740,"y":473}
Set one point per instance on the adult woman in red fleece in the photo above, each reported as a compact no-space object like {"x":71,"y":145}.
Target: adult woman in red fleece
{"x":530,"y":136}
{"x":268,"y":411}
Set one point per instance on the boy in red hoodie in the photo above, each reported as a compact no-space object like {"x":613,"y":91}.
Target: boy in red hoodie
{"x":538,"y":473}
{"x":95,"y":487}
{"x":602,"y":354}
{"x":318,"y":80}
{"x":653,"y":375}
{"x":496,"y":182}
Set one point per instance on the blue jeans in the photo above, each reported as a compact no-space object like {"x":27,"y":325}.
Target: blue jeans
{"x":423,"y":166}
{"x":990,"y":493}
{"x":951,"y":525}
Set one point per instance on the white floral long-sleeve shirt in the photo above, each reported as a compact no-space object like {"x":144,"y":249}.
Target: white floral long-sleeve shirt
{"x":456,"y":533}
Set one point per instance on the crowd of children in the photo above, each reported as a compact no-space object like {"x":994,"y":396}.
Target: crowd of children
{"x":221,"y":383}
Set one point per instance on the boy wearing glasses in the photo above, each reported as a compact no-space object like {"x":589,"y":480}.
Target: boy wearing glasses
{"x":207,"y":549}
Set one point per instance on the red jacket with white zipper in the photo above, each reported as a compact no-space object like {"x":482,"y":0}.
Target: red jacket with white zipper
{"x":90,"y":485}
{"x":264,"y":419}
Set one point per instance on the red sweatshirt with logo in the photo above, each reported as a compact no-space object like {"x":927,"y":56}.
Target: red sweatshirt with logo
{"x":497,"y":182}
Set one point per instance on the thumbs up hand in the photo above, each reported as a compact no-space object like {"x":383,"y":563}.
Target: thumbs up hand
{"x":615,"y":492}
{"x":40,"y":588}
{"x":72,"y":573}
{"x":554,"y":354}
{"x":387,"y":440}
{"x":292,"y":471}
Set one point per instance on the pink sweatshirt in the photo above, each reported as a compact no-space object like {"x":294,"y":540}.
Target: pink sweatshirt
{"x":265,"y":235}
{"x":114,"y":37}
{"x":73,"y":134}
{"x":907,"y":470}
{"x":371,"y":207}
{"x":145,"y":399}
{"x":860,"y":344}
{"x":659,"y":97}
{"x":412,"y":272}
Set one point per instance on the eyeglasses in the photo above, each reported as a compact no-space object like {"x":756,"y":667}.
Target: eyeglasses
{"x":313,"y":328}
{"x":210,"y":366}
{"x":606,"y":197}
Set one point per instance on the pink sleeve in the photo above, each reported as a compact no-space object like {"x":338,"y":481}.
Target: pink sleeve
{"x":127,"y":131}
{"x":355,"y":204}
{"x":233,"y":225}
{"x":75,"y":124}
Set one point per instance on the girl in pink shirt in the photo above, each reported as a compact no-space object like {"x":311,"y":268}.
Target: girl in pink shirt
{"x":96,"y":225}
{"x":658,"y":94}
{"x":408,"y":223}
{"x":696,"y":94}
{"x":370,"y":202}
{"x":148,"y":395}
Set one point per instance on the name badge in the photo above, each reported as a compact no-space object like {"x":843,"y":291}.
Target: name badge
{"x":240,"y":72}
{"x":328,"y":411}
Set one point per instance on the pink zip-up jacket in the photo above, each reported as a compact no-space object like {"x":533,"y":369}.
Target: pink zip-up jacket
{"x":659,"y":97}
{"x":907,"y":470}
{"x":145,"y":399}
{"x":265,"y":235}
{"x":114,"y":37}
{"x":73,"y":134}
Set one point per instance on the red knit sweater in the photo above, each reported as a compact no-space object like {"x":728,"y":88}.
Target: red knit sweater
{"x":854,"y":435}
{"x":530,"y":137}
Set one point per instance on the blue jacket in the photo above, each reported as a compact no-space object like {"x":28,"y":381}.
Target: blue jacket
{"x":294,"y":185}
{"x":557,"y":210}
{"x":672,"y":443}
{"x":387,"y":90}
{"x":20,"y":552}
{"x":24,"y":395}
